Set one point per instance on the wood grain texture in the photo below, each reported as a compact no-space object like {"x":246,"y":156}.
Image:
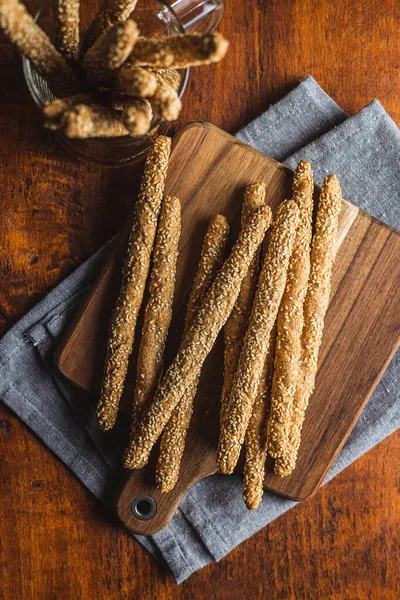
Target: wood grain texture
{"x":56,"y":540}
{"x":208,"y":171}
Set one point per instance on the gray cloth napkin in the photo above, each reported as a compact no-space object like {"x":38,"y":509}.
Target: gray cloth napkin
{"x":364,"y":151}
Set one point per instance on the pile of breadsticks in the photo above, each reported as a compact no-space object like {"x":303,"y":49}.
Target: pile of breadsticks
{"x":113,"y":81}
{"x":270,"y":295}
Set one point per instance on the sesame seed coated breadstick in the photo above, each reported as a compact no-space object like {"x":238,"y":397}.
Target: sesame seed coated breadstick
{"x":255,"y":345}
{"x":256,"y":435}
{"x":134,"y":275}
{"x":315,"y":306}
{"x":84,"y":121}
{"x":34,"y":44}
{"x":174,"y":434}
{"x":180,"y":51}
{"x":290,"y":316}
{"x":137,"y":115}
{"x":54,"y":111}
{"x":66,"y":13}
{"x":200,"y":338}
{"x":136,"y":81}
{"x":158,"y":314}
{"x":166,"y":100}
{"x":110,"y":51}
{"x":236,"y":325}
{"x":115,"y":11}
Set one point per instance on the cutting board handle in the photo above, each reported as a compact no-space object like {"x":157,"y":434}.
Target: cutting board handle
{"x":143,"y":508}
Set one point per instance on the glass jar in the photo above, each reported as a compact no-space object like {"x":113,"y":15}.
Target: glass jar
{"x":155,"y":18}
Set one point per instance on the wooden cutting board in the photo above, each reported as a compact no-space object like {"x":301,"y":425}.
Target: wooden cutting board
{"x":208,"y":172}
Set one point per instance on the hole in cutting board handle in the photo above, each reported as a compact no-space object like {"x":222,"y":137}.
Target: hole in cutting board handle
{"x":143,"y":508}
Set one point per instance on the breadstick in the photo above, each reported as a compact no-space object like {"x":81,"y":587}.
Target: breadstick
{"x":56,"y":108}
{"x":166,"y":100}
{"x":34,"y":44}
{"x":137,"y":115}
{"x":134,"y":275}
{"x":200,"y":338}
{"x":158,"y":314}
{"x":174,"y":435}
{"x":110,"y":51}
{"x":180,"y":51}
{"x":136,"y":81}
{"x":66,"y":13}
{"x":115,"y":11}
{"x":315,"y":307}
{"x":255,"y":345}
{"x":256,"y":435}
{"x":236,"y":325}
{"x":171,"y":77}
{"x":290,"y":316}
{"x":88,"y":121}
{"x":54,"y":111}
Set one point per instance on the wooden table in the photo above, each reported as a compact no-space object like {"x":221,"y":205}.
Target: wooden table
{"x":56,"y":542}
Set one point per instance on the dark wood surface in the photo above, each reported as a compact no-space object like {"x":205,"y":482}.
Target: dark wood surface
{"x":208,"y":171}
{"x":56,"y":542}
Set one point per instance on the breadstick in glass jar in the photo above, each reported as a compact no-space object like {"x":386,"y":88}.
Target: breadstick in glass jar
{"x":66,"y":13}
{"x":137,"y":115}
{"x":115,"y":11}
{"x":33,"y":43}
{"x":290,"y":316}
{"x":236,"y":325}
{"x":200,"y":338}
{"x":110,"y":51}
{"x":84,"y":121}
{"x":179,"y":51}
{"x":136,"y":81}
{"x":166,"y":100}
{"x":53,"y":111}
{"x":174,"y":434}
{"x":255,"y":345}
{"x":55,"y":108}
{"x":316,"y":303}
{"x":135,"y":271}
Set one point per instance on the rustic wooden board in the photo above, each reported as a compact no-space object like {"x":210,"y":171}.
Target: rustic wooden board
{"x":208,"y":171}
